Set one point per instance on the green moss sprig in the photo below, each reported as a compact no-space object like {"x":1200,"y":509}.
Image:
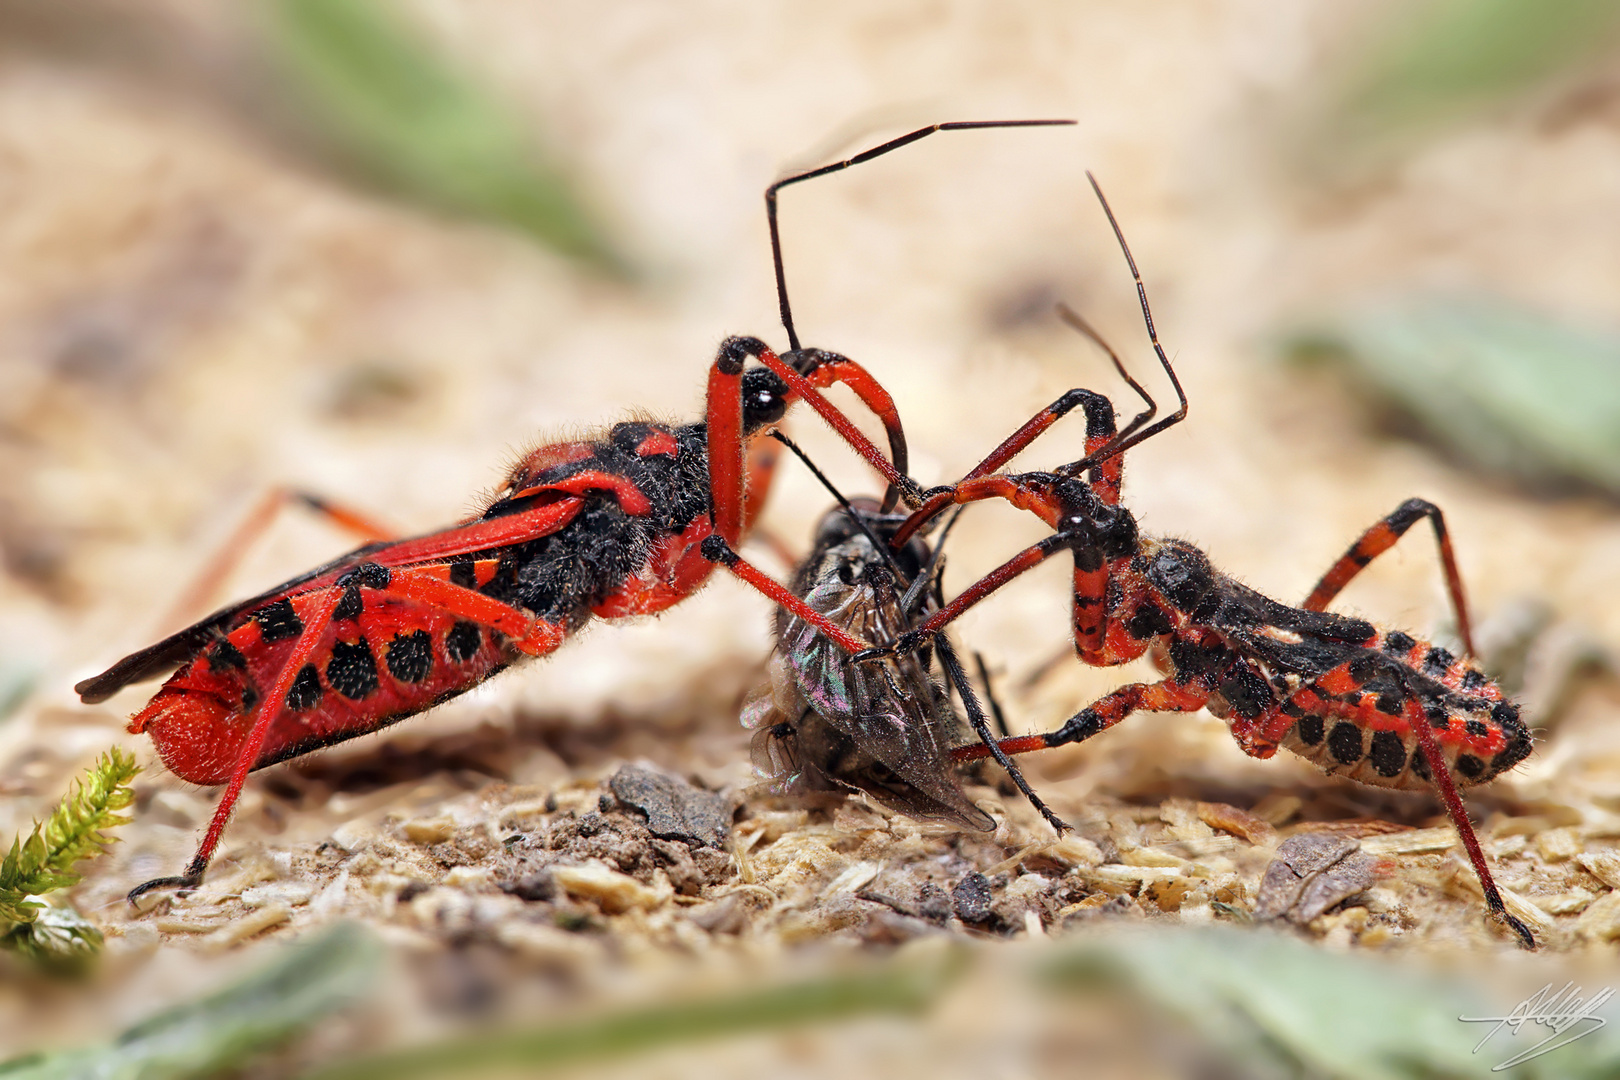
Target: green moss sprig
{"x":43,"y":863}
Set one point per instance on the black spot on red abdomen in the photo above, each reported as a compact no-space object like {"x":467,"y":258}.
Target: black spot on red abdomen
{"x":1310,"y":729}
{"x":463,"y":641}
{"x":409,"y":656}
{"x":1388,"y":754}
{"x":305,"y":692}
{"x":352,"y":669}
{"x":278,"y":622}
{"x":1346,"y":743}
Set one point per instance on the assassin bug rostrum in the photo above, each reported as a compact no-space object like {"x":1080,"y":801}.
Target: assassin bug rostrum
{"x":611,"y":527}
{"x":1378,"y":706}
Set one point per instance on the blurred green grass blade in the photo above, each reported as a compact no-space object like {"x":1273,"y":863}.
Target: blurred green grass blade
{"x":381,"y":96}
{"x":309,"y":981}
{"x":1275,"y":1004}
{"x":1440,"y":59}
{"x":1504,"y":388}
{"x":901,"y":986}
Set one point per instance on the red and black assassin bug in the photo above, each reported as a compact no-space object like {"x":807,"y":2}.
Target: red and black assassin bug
{"x":612,"y":526}
{"x":1378,"y":706}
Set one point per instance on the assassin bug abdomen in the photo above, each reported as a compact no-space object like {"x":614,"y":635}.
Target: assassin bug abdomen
{"x":1338,"y":691}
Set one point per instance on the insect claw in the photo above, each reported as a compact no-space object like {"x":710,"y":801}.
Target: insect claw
{"x":716,"y":550}
{"x":1527,"y":940}
{"x":184,"y":883}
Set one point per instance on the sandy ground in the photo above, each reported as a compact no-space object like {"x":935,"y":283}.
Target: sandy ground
{"x":191,"y":313}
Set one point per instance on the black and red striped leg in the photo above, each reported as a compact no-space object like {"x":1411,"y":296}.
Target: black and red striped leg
{"x":1379,"y":539}
{"x":1440,"y":774}
{"x":1021,"y":563}
{"x":1100,"y":428}
{"x":1097,"y":717}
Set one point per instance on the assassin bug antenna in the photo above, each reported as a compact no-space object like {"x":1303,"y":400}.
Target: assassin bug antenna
{"x":839,"y":166}
{"x":990,"y":695}
{"x":1128,"y":436}
{"x":895,"y":489}
{"x":1104,"y":442}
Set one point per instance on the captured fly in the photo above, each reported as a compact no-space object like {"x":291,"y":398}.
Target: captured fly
{"x":825,"y":723}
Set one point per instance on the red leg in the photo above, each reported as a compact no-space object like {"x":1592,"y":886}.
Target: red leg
{"x":716,"y":550}
{"x":1447,"y":788}
{"x":761,"y":464}
{"x":533,"y":636}
{"x":264,"y":714}
{"x":1379,"y":539}
{"x":1025,"y":560}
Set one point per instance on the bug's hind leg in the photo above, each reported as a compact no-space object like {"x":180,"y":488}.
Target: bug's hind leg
{"x":196,"y":596}
{"x":1379,"y":539}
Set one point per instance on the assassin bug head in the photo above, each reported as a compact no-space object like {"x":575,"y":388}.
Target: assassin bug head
{"x":765,"y":400}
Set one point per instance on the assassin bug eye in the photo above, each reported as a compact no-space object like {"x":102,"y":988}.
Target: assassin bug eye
{"x":764,"y":398}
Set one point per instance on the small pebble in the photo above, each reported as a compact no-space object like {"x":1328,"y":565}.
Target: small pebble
{"x":971,"y":898}
{"x":1556,"y":845}
{"x":467,"y":877}
{"x":246,"y":927}
{"x":1601,"y":919}
{"x":352,"y":836}
{"x":612,"y":891}
{"x":292,"y":893}
{"x":428,"y":831}
{"x":1603,"y":865}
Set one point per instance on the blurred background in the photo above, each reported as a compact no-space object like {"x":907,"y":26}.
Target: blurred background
{"x":375,"y":250}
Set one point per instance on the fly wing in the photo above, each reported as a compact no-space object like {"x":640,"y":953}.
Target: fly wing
{"x":883,"y":728}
